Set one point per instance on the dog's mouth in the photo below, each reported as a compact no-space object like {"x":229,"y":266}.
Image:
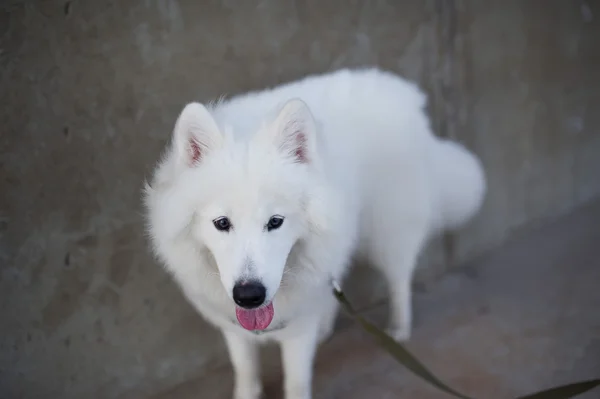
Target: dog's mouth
{"x":255,"y":319}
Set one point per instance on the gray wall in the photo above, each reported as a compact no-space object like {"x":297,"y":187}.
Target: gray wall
{"x":89,"y":93}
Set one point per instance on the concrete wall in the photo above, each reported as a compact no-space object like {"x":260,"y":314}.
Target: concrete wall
{"x":89,"y":93}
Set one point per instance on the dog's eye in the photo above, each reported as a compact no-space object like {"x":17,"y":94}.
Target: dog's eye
{"x":274,"y":223}
{"x":222,"y":224}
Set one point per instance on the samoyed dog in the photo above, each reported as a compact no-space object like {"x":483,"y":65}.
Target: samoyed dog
{"x":261,"y":200}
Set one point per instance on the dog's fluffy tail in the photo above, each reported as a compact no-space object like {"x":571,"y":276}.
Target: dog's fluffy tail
{"x":460,"y":179}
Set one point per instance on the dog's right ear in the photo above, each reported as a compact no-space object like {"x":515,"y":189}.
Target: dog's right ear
{"x":196,"y":134}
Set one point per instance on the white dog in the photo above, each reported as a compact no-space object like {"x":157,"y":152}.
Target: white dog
{"x":262,"y":199}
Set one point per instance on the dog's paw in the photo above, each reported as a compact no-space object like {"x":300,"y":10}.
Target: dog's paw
{"x":247,"y":396}
{"x":299,"y":392}
{"x":399,"y":334}
{"x":248,"y":392}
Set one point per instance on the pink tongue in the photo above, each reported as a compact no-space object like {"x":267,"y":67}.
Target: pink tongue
{"x":255,"y":319}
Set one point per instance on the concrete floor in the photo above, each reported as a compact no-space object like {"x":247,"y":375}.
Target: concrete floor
{"x":521,"y":319}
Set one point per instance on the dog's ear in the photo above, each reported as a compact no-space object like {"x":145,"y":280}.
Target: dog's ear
{"x":196,"y":133}
{"x":293,"y":131}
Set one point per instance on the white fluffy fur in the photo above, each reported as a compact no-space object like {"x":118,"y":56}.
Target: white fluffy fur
{"x":371,"y":180}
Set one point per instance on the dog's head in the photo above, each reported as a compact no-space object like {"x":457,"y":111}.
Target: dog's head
{"x":247,"y":203}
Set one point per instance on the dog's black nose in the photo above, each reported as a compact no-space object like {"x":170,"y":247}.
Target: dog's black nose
{"x":249,"y":295}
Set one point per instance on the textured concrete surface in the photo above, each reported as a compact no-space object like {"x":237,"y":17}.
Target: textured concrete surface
{"x":90,"y":91}
{"x":521,"y":319}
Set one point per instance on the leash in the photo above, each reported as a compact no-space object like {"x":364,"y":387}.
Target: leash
{"x":404,"y":357}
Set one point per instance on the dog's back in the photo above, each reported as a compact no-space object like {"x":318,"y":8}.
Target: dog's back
{"x":377,"y":147}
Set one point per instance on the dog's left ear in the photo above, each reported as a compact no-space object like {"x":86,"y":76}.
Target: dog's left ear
{"x":293,"y":131}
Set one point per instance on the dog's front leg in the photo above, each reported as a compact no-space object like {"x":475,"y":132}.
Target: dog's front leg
{"x":297,"y":356}
{"x":244,"y":358}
